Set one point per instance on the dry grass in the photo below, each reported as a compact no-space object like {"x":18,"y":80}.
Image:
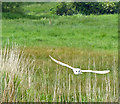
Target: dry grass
{"x":21,"y":81}
{"x":15,"y":71}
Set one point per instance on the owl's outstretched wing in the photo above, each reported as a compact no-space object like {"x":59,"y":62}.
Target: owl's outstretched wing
{"x":61,"y":63}
{"x":97,"y":72}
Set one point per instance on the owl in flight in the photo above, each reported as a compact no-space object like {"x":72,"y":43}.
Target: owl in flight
{"x":78,"y":70}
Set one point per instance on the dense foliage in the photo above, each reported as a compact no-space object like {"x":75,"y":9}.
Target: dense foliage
{"x":10,"y":6}
{"x":86,"y":8}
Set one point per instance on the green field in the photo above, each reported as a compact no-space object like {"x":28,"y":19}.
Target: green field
{"x":86,"y":42}
{"x":78,"y":31}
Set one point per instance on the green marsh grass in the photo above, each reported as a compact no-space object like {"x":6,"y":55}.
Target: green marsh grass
{"x":93,"y":32}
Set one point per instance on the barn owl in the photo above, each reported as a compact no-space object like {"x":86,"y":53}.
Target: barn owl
{"x":78,"y":70}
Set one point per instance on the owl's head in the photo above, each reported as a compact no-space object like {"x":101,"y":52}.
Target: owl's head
{"x":77,"y":71}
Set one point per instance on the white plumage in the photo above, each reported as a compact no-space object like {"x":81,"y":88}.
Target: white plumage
{"x":77,"y":70}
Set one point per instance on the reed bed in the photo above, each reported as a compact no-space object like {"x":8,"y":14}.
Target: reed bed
{"x":15,"y":73}
{"x":23,"y":79}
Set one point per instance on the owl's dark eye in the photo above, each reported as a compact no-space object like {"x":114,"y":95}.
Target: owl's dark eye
{"x":76,"y":71}
{"x":79,"y":70}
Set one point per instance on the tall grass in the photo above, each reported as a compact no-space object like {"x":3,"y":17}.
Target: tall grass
{"x":22,"y":81}
{"x":15,"y":74}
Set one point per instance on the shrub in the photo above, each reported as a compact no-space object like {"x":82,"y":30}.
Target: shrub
{"x":61,"y":9}
{"x":86,"y":8}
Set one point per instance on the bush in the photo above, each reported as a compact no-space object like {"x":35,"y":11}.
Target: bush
{"x":61,"y":9}
{"x":64,"y":9}
{"x":86,"y":8}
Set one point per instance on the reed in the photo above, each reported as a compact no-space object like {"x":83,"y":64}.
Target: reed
{"x":15,"y":73}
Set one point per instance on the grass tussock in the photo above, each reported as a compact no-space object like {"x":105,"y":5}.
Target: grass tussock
{"x":15,"y":74}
